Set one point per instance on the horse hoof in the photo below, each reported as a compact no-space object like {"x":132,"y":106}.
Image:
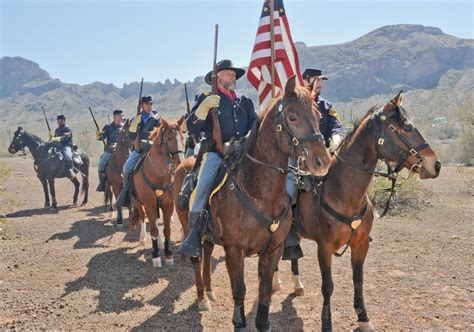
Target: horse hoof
{"x":211,"y":296}
{"x":83,"y":203}
{"x":156,"y":262}
{"x":169,"y":261}
{"x":299,"y":291}
{"x":204,"y":305}
{"x":47,"y":205}
{"x":53,"y":209}
{"x":111,"y":209}
{"x":365,"y":326}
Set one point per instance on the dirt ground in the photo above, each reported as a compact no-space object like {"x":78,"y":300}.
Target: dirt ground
{"x":75,"y":270}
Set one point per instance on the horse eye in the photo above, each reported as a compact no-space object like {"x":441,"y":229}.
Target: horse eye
{"x":292,"y":118}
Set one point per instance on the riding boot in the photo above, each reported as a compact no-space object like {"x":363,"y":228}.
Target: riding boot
{"x":70,"y":170}
{"x":292,"y":249}
{"x":192,"y":244}
{"x":124,"y":197}
{"x":101,"y":186}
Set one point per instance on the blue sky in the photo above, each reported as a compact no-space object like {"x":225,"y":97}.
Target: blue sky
{"x":82,"y":41}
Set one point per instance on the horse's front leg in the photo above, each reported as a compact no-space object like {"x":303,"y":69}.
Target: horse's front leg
{"x":77,"y":185}
{"x":167,"y":209}
{"x":202,"y":301}
{"x":44,"y":182}
{"x":327,"y":287}
{"x":52,"y":191}
{"x":208,"y":248}
{"x":234,"y":259}
{"x":358,"y":254}
{"x":267,"y":265}
{"x":295,"y":277}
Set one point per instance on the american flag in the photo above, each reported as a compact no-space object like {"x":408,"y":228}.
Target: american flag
{"x":286,"y":57}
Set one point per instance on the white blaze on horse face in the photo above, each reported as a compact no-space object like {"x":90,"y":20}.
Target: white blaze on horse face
{"x":180,"y":146}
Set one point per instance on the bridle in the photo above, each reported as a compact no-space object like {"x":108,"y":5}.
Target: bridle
{"x":282,"y":126}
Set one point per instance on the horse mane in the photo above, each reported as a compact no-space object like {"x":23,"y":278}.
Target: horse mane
{"x":155,"y":132}
{"x":357,"y":123}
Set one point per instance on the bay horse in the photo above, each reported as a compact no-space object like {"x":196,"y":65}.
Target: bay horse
{"x":251,"y":212}
{"x":153,"y":186}
{"x":47,"y":167}
{"x":343,"y":215}
{"x":113,"y":171}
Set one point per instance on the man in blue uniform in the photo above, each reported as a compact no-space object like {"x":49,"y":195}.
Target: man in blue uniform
{"x":236,"y":116}
{"x":332,"y":130}
{"x":140,"y":128}
{"x":63,"y":136}
{"x":109,"y":134}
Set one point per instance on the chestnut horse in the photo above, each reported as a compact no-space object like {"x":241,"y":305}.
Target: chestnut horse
{"x":113,"y":171}
{"x":344,"y":215}
{"x":251,"y":212}
{"x":153,"y":186}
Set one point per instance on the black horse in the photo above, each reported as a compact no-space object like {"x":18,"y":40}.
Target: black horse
{"x":49,"y":165}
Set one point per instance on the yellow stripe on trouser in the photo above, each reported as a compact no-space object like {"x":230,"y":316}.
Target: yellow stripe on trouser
{"x":193,"y":195}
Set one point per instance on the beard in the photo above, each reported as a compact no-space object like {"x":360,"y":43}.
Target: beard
{"x":230,"y":85}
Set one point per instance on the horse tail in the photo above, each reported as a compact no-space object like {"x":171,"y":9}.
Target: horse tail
{"x":134,"y":217}
{"x":85,"y":172}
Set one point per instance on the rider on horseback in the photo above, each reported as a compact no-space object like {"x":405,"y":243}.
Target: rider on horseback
{"x":236,"y":115}
{"x":332,"y":130}
{"x":139,"y":132}
{"x":110,"y":134}
{"x":63,"y":136}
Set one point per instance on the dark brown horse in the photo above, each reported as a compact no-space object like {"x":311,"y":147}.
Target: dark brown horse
{"x":113,"y":171}
{"x":251,"y":211}
{"x":344,"y":216}
{"x":153,"y":186}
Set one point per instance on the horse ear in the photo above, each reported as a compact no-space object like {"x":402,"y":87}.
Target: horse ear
{"x":397,"y":100}
{"x":164,"y":123}
{"x":180,"y":121}
{"x":290,"y":86}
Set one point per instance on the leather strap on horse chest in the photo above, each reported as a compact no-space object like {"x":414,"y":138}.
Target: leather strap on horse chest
{"x":153,"y":186}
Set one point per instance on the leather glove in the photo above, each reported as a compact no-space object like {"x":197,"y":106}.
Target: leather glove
{"x":56,"y":139}
{"x":99,"y":134}
{"x":211,"y":101}
{"x":334,"y":142}
{"x":134,"y":125}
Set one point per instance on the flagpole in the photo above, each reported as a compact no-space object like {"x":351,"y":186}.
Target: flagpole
{"x":272,"y":46}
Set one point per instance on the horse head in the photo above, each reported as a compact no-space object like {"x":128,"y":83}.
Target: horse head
{"x":169,"y":138}
{"x":18,"y":142}
{"x":297,"y":124}
{"x":398,"y":140}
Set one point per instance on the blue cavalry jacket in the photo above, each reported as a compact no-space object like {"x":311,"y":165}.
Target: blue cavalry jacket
{"x":235,"y":118}
{"x":65,"y":139}
{"x":330,"y":123}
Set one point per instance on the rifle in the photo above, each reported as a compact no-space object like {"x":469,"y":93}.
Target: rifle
{"x":96,"y":125}
{"x":139,"y":106}
{"x":46,"y":119}
{"x":188,"y":109}
{"x":108,"y":117}
{"x":216,"y":130}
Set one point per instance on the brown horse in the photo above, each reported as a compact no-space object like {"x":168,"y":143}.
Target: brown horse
{"x":344,"y":216}
{"x":113,"y":171}
{"x":153,"y":186}
{"x":251,"y":211}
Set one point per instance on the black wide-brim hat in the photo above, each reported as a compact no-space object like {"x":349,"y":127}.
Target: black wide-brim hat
{"x":225,"y":64}
{"x":308,"y":73}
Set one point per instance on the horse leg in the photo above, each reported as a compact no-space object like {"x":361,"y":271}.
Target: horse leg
{"x":276,"y":282}
{"x":208,"y":249}
{"x":52,"y":190}
{"x":119,"y":220}
{"x":234,"y":259}
{"x":151,"y":213}
{"x":77,"y":185}
{"x":142,"y":240}
{"x":45,"y":190}
{"x":167,"y":212}
{"x":325,"y":260}
{"x":267,"y":264}
{"x":295,"y":277}
{"x":358,"y":254}
{"x":203,"y":302}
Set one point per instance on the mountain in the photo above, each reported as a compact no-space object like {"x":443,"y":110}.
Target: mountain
{"x":435,"y":69}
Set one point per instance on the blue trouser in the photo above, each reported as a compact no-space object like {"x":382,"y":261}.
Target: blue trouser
{"x":131,"y":162}
{"x":67,"y":152}
{"x":104,"y":159}
{"x":207,"y":174}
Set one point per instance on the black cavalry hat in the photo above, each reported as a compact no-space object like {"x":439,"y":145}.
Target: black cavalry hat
{"x":225,"y":64}
{"x":119,"y":112}
{"x":61,"y":116}
{"x":313,"y":73}
{"x":147,"y":99}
